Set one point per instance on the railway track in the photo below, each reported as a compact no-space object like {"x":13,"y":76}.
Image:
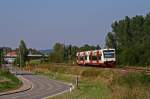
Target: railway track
{"x":137,"y":69}
{"x":125,"y":69}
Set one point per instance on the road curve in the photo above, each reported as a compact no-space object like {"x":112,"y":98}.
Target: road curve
{"x":41,"y":87}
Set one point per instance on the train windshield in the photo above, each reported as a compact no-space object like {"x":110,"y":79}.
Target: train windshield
{"x":109,"y":53}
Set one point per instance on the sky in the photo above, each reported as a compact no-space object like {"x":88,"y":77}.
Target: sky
{"x":42,"y":23}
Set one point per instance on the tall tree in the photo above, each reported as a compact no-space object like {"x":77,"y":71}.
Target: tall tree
{"x":23,"y":52}
{"x":98,"y":47}
{"x":58,"y":53}
{"x":69,"y":52}
{"x":74,"y":50}
{"x":110,"y":40}
{"x":1,"y":56}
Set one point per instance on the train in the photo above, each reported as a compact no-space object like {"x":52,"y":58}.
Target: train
{"x":102,"y":57}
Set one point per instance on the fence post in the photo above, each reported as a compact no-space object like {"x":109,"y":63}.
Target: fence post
{"x":77,"y":81}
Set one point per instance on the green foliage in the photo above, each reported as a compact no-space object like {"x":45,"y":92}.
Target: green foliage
{"x":110,"y":40}
{"x":58,"y":53}
{"x":87,"y":47}
{"x":23,"y":52}
{"x":131,"y":38}
{"x":1,"y":56}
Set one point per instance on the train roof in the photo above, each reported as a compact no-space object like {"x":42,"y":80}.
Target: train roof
{"x":87,"y":52}
{"x":108,"y":49}
{"x":97,"y":50}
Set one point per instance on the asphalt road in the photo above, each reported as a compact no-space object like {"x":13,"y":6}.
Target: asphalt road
{"x":42,"y":88}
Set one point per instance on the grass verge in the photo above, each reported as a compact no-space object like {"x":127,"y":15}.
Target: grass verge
{"x":132,"y":86}
{"x":8,"y":81}
{"x":87,"y":90}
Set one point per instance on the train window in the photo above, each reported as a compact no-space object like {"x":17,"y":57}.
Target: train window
{"x":109,"y":53}
{"x":90,"y":57}
{"x":86,"y":57}
{"x":81,"y":58}
{"x":94,"y":57}
{"x":99,"y":57}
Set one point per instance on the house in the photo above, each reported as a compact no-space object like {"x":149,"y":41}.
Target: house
{"x":10,"y":57}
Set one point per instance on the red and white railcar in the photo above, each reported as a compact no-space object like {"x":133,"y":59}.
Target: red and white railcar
{"x":103,"y":57}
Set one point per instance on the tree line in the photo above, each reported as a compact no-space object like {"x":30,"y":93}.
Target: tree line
{"x":131,"y":39}
{"x":67,"y":53}
{"x":61,"y":53}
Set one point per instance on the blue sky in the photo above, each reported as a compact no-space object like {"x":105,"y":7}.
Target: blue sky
{"x":42,"y":23}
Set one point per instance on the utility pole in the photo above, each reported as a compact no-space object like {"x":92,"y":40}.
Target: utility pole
{"x":0,"y":56}
{"x":20,"y":57}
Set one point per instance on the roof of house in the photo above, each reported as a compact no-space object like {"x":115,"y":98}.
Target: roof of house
{"x":12,"y":54}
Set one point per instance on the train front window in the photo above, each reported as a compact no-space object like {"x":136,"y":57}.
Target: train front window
{"x":109,"y":53}
{"x":81,"y":58}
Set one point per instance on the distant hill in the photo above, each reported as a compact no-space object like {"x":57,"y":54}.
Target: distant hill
{"x":47,"y":51}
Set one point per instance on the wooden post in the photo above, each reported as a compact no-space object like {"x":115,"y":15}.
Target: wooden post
{"x":77,"y":81}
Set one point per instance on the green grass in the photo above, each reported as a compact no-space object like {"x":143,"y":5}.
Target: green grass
{"x":35,"y":62}
{"x":131,"y":86}
{"x":9,"y":81}
{"x":87,"y":90}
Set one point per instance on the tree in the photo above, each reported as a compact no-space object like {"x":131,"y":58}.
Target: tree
{"x":65,"y":54}
{"x":69,"y":52}
{"x":1,"y":56}
{"x":131,"y":38}
{"x":110,"y":40}
{"x":23,"y":53}
{"x":74,"y":50}
{"x":87,"y":47}
{"x":58,"y":53}
{"x":98,"y":47}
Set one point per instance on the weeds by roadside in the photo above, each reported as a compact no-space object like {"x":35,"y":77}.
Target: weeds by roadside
{"x":131,"y":86}
{"x":10,"y":81}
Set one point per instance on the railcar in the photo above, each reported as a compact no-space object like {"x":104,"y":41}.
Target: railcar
{"x":102,"y":57}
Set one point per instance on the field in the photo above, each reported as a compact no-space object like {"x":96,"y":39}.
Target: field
{"x":98,"y":83}
{"x":8,"y":81}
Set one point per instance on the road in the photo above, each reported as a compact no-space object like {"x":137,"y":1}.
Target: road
{"x":42,"y":88}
